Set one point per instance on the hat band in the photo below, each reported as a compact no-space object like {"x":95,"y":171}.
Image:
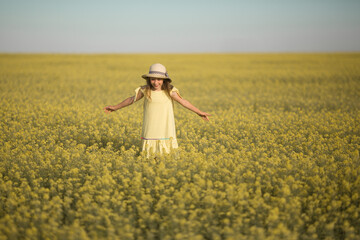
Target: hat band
{"x":161,"y":73}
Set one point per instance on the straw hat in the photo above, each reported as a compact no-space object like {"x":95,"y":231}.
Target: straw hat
{"x":157,"y":70}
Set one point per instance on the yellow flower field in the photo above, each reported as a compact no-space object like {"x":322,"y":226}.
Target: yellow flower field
{"x":279,"y":158}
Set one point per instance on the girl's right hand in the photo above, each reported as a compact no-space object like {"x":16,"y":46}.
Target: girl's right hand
{"x":204,"y":115}
{"x":109,"y":109}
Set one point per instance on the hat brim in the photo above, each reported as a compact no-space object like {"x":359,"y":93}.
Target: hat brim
{"x":154,"y":75}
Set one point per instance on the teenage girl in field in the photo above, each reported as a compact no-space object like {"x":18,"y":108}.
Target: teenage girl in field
{"x":158,"y":130}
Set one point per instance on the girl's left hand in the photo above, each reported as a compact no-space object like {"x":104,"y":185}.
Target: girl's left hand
{"x":204,"y":115}
{"x":109,"y":109}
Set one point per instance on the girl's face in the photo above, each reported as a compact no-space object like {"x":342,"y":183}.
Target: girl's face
{"x":156,"y":83}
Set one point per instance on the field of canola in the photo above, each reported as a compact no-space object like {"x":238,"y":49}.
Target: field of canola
{"x":278,"y":160}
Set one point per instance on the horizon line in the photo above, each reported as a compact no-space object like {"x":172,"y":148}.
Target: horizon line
{"x":179,"y":53}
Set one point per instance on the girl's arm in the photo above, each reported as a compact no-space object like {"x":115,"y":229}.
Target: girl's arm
{"x":125,"y":103}
{"x":188,"y":105}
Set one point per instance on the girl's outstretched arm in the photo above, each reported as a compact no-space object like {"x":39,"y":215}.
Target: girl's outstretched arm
{"x":125,"y":103}
{"x":185,"y":103}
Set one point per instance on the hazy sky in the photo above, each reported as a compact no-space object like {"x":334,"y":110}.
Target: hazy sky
{"x":134,"y":26}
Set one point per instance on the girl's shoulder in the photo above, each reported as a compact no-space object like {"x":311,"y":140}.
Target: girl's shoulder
{"x":140,"y":91}
{"x":174,"y":89}
{"x":141,"y":88}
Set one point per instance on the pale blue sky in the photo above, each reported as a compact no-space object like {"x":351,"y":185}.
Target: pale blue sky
{"x":135,"y":26}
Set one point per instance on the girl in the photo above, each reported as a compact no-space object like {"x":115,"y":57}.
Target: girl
{"x":158,"y":130}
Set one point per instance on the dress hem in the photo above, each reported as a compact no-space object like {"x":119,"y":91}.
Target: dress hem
{"x":158,"y":145}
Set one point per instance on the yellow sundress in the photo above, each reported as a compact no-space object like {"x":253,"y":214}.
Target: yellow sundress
{"x":158,"y":130}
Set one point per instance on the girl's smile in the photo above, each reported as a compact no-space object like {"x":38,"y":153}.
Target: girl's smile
{"x":156,"y":83}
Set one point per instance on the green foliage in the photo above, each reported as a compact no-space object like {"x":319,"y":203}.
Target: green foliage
{"x":278,"y":160}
